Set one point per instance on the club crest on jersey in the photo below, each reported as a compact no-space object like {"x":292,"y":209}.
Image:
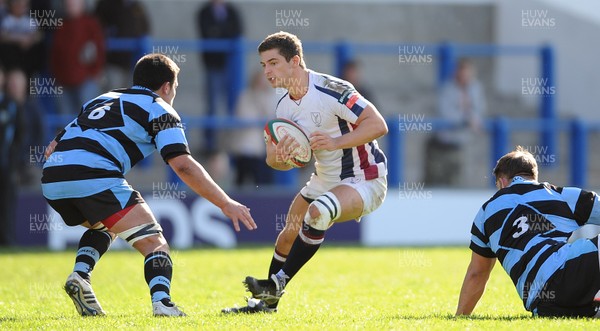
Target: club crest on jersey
{"x":316,"y":118}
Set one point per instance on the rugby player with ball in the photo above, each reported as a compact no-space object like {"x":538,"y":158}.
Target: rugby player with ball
{"x":349,"y":180}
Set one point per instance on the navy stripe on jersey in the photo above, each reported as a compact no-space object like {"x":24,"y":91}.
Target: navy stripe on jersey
{"x":344,"y":97}
{"x":558,"y":208}
{"x":478,"y":234}
{"x":76,"y":172}
{"x":347,"y":158}
{"x":136,"y":113}
{"x":121,"y":127}
{"x":495,"y":222}
{"x":93,"y":104}
{"x":554,"y":188}
{"x":526,"y":225}
{"x":327,"y":91}
{"x":133,"y":91}
{"x":533,"y":272}
{"x":349,"y":99}
{"x":485,"y":252}
{"x":516,"y":189}
{"x":377,"y":154}
{"x":278,"y":102}
{"x":89,"y":145}
{"x":518,"y":268}
{"x":501,"y":254}
{"x":584,"y":206}
{"x":163,"y":122}
{"x":174,"y":150}
{"x":131,"y":148}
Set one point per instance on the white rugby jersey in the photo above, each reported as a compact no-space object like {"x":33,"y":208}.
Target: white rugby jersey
{"x":332,"y":106}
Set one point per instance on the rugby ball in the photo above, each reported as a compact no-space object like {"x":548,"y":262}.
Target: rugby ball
{"x":278,"y":128}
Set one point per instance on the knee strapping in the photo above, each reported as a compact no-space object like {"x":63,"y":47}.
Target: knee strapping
{"x":329,"y":209}
{"x":140,"y":232}
{"x":103,"y":229}
{"x":100,"y":227}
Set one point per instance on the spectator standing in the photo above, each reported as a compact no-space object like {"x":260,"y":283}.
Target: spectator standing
{"x":20,"y":40}
{"x":217,"y":20}
{"x":352,"y":74}
{"x":121,"y":19}
{"x":10,"y":130}
{"x":32,"y":134}
{"x":77,"y":57}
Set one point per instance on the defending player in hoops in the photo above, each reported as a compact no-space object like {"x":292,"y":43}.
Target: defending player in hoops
{"x":350,"y":170}
{"x":84,"y":180}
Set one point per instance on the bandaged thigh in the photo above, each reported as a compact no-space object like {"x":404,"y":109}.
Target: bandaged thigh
{"x":329,"y":209}
{"x":139,"y":232}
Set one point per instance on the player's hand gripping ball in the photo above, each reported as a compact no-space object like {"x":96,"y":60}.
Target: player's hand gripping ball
{"x":278,"y":128}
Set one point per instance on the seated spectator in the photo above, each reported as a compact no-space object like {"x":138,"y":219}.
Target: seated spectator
{"x":121,"y":19}
{"x":461,"y":105}
{"x":217,"y":19}
{"x":247,"y":144}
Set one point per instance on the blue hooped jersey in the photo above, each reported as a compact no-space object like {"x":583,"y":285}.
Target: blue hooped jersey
{"x":112,"y":133}
{"x":526,"y":226}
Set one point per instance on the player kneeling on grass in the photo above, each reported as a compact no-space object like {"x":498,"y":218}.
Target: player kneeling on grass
{"x":538,"y":233}
{"x":350,"y":169}
{"x":83,"y":179}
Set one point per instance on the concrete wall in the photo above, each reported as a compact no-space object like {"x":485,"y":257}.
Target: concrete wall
{"x":402,"y":88}
{"x":574,"y":37}
{"x":396,"y":85}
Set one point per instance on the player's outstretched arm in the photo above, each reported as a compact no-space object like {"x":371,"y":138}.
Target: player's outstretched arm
{"x":370,"y":125}
{"x":473,"y":286}
{"x":193,"y":174}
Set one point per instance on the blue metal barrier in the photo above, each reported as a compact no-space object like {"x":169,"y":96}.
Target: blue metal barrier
{"x":342,"y":51}
{"x":578,"y":155}
{"x":500,"y":130}
{"x":450,"y":52}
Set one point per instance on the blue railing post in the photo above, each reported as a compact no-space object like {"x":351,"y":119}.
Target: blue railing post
{"x":447,"y":61}
{"x":343,"y":54}
{"x":548,"y":100}
{"x":578,"y":157}
{"x":394,"y":152}
{"x":236,"y":74}
{"x":499,"y":141}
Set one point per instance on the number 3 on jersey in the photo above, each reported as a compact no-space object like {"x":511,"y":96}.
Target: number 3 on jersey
{"x":522,"y":226}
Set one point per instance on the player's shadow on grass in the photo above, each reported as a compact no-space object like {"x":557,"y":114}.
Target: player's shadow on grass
{"x":419,"y":317}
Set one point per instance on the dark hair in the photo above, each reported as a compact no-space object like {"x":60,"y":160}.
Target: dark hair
{"x":153,"y":70}
{"x":289,"y":45}
{"x":519,"y":162}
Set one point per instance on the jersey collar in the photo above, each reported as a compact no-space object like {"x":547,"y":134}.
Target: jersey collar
{"x":138,"y":87}
{"x":521,"y":180}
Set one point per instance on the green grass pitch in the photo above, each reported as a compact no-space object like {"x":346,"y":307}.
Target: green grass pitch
{"x":342,"y":288}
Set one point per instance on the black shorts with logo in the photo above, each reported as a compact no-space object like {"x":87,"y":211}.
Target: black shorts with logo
{"x":573,"y":288}
{"x":95,"y":208}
